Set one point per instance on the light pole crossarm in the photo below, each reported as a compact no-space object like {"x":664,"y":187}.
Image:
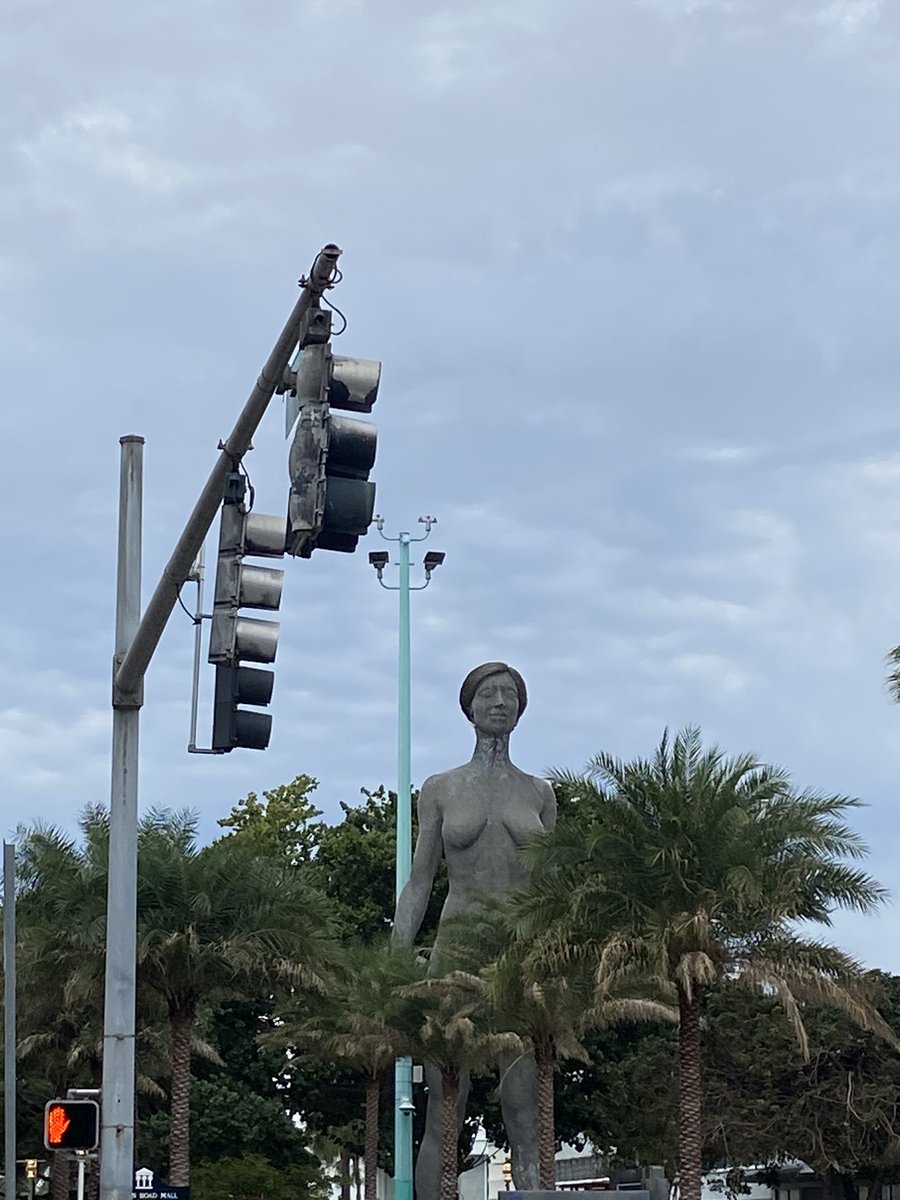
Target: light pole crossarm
{"x":130,"y":673}
{"x":390,"y":587}
{"x":402,"y":536}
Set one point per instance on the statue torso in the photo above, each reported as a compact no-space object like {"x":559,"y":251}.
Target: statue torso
{"x":487,"y":812}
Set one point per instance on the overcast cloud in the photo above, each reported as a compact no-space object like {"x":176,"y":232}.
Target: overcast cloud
{"x":632,"y":268}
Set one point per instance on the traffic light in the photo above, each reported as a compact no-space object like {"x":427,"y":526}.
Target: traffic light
{"x":71,"y":1124}
{"x":332,"y":500}
{"x":234,"y":638}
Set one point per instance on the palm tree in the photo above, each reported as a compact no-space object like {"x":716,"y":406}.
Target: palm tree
{"x":213,"y":923}
{"x":689,"y":869}
{"x":455,"y":1029}
{"x":360,"y":1022}
{"x":548,"y":1007}
{"x":893,"y":679}
{"x":60,"y":921}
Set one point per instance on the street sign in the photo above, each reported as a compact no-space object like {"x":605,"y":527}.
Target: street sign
{"x":172,"y":1193}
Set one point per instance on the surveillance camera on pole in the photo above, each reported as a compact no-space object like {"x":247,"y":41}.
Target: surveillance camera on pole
{"x":331,"y":500}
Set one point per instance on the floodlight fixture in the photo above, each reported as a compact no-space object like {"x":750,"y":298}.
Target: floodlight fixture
{"x":432,"y":561}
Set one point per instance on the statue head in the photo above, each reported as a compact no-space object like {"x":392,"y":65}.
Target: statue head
{"x":493,"y":697}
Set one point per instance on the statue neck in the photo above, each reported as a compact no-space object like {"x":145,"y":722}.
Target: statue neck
{"x":491,"y":750}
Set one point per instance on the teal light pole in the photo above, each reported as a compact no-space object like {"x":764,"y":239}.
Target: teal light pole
{"x":404,"y":1106}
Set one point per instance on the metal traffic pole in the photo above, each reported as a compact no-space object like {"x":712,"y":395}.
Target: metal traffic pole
{"x":9,"y":1019}
{"x":404,"y":1106}
{"x":117,"y":1110}
{"x":136,"y":640}
{"x":130,"y":673}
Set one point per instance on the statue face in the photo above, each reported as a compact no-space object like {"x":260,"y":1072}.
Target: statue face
{"x":495,"y":705}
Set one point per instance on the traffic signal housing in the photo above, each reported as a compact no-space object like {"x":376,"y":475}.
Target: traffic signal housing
{"x":71,"y":1124}
{"x":235,"y":638}
{"x":332,"y":500}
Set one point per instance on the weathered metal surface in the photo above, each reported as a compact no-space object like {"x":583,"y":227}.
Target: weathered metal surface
{"x":503,"y":808}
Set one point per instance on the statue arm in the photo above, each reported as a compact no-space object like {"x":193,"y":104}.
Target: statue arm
{"x":429,"y":846}
{"x":548,"y":808}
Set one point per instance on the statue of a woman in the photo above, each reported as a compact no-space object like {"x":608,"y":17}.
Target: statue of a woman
{"x":478,"y":816}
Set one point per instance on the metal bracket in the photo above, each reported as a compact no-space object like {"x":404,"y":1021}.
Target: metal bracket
{"x":315,"y":327}
{"x":306,"y":461}
{"x":123,"y":699}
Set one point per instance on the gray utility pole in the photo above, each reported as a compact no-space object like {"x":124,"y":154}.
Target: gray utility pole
{"x":9,"y":1019}
{"x":136,"y":639}
{"x":117,"y":1111}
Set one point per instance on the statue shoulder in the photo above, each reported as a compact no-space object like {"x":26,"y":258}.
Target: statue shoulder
{"x":545,"y":787}
{"x":444,"y":779}
{"x":540,"y":785}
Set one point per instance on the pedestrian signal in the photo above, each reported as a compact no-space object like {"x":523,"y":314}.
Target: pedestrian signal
{"x":71,"y":1124}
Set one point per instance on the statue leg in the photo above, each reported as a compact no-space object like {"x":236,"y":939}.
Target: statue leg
{"x":518,"y":1104}
{"x":428,"y":1160}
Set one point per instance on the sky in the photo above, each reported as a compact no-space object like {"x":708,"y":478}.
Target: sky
{"x":632,"y":269}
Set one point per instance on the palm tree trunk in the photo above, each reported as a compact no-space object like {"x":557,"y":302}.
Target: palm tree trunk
{"x":92,"y":1178}
{"x":182,"y":1022}
{"x":875,"y":1186}
{"x":373,"y":1087}
{"x":546,"y":1060}
{"x":690,"y":1111}
{"x":449,"y":1132}
{"x":59,"y":1177}
{"x":345,"y":1173}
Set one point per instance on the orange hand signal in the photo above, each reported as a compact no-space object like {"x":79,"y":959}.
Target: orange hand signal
{"x":57,"y":1124}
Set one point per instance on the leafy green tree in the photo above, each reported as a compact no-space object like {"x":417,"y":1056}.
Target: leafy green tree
{"x":688,"y":869}
{"x":253,"y":1177}
{"x":362,"y":1023}
{"x":835,"y":1109}
{"x":283,"y":824}
{"x":355,"y":866}
{"x":623,"y":1101}
{"x":239,"y":1099}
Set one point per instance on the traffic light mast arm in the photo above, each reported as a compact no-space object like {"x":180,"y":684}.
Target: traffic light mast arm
{"x":128,"y":680}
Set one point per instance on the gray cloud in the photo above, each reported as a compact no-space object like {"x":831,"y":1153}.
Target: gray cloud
{"x":632,"y":271}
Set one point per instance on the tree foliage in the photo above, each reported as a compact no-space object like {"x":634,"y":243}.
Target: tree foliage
{"x":688,"y":869}
{"x":253,"y":1177}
